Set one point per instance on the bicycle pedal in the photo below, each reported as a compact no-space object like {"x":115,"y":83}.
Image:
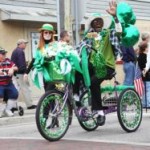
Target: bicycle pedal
{"x":83,"y":114}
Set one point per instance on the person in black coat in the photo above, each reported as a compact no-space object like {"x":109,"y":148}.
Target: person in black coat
{"x":142,"y":60}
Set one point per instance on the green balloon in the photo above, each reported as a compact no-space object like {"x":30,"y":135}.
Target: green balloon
{"x":125,"y":13}
{"x":133,"y":19}
{"x":130,"y":36}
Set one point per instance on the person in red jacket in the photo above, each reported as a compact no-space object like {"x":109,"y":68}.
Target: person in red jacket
{"x":7,"y":88}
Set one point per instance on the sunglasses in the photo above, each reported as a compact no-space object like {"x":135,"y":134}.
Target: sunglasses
{"x":47,"y":32}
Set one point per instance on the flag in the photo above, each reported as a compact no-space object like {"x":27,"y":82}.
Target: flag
{"x":138,"y":82}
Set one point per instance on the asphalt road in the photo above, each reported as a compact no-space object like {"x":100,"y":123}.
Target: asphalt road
{"x":111,"y":136}
{"x":28,"y":144}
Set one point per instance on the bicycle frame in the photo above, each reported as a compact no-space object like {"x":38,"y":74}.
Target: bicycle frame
{"x":65,"y":97}
{"x":116,"y":88}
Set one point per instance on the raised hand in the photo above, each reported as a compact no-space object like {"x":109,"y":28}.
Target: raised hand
{"x":112,"y":8}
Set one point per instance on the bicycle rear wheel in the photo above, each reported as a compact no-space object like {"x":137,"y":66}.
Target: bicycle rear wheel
{"x":88,"y":124}
{"x":51,"y":125}
{"x":129,"y":110}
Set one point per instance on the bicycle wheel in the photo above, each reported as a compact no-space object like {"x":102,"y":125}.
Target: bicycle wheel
{"x":129,"y":110}
{"x":52,"y":125}
{"x":88,"y":124}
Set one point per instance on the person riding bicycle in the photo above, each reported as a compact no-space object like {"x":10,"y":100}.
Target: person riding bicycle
{"x":105,"y":41}
{"x":7,"y":88}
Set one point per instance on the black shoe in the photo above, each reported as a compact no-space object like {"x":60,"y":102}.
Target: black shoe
{"x":31,"y":107}
{"x":104,"y":107}
{"x":101,"y":120}
{"x":78,"y":104}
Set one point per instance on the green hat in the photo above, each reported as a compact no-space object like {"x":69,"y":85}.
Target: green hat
{"x":47,"y":26}
{"x":108,"y":21}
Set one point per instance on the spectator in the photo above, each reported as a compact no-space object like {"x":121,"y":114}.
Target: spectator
{"x":7,"y":88}
{"x":146,"y":38}
{"x":65,"y":36}
{"x":142,"y":60}
{"x":64,"y":41}
{"x":20,"y":80}
{"x":129,"y":59}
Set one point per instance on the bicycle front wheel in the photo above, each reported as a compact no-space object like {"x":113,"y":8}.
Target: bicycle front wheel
{"x":51,"y":124}
{"x":129,"y":110}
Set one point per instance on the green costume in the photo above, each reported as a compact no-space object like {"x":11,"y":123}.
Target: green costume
{"x":49,"y":69}
{"x":104,"y":55}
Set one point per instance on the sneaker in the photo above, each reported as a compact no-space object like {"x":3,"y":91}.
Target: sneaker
{"x":2,"y":108}
{"x":7,"y":113}
{"x":31,"y":107}
{"x":78,"y":104}
{"x":76,"y":97}
{"x":99,"y":115}
{"x":101,"y":120}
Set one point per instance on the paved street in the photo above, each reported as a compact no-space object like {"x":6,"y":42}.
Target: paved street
{"x":28,"y":144}
{"x":23,"y":134}
{"x":20,"y":132}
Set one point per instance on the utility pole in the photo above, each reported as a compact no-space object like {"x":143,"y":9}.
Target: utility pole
{"x":76,"y":21}
{"x":68,"y":22}
{"x":58,"y":19}
{"x":67,"y":16}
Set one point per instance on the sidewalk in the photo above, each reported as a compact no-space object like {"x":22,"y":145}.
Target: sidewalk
{"x":29,"y":116}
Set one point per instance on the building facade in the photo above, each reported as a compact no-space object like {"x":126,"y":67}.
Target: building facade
{"x":87,"y":7}
{"x":22,"y":19}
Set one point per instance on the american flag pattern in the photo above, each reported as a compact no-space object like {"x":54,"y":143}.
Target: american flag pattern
{"x":138,"y":82}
